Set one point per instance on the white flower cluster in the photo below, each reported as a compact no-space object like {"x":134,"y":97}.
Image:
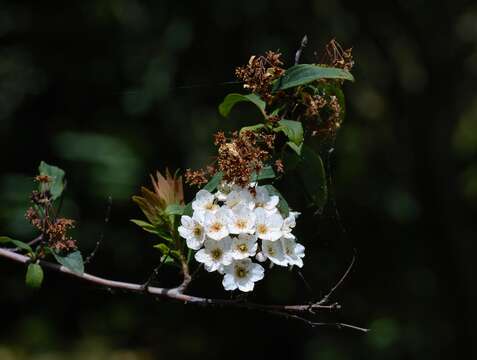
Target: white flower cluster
{"x":236,"y":224}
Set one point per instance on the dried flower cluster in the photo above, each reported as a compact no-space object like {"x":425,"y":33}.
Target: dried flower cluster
{"x":260,"y":72}
{"x":42,"y":216}
{"x":243,"y":154}
{"x":336,"y":56}
{"x":199,"y":177}
{"x":236,"y":225}
{"x":238,"y":157}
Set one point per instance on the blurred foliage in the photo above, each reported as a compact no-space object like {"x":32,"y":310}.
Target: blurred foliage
{"x":111,"y":90}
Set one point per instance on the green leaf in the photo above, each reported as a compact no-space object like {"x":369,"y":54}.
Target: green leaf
{"x":145,"y":226}
{"x":282,"y":204}
{"x":153,"y":229}
{"x":252,"y":128}
{"x":296,"y":148}
{"x":175,"y":209}
{"x":291,"y":159}
{"x":266,"y":173}
{"x":34,"y":276}
{"x":214,"y":182}
{"x":167,"y":251}
{"x":314,"y":177}
{"x":163,"y":248}
{"x":231,"y":99}
{"x":292,"y":129}
{"x":72,"y":261}
{"x":305,"y":73}
{"x":57,"y":176}
{"x":188,"y":209}
{"x":17,"y":243}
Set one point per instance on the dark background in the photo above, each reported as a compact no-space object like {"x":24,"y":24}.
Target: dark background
{"x":111,"y":90}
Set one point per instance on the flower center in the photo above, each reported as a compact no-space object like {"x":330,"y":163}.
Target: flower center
{"x":262,"y":229}
{"x":241,"y":224}
{"x":271,"y":251}
{"x":241,"y":272}
{"x":197,"y":231}
{"x":216,"y":254}
{"x":216,"y":227}
{"x":242,"y":248}
{"x":210,"y":206}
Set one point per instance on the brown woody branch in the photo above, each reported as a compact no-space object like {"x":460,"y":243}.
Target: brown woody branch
{"x":177,"y":293}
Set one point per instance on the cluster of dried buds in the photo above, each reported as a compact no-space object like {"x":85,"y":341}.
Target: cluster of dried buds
{"x":238,"y":157}
{"x":43,"y":217}
{"x":259,"y":73}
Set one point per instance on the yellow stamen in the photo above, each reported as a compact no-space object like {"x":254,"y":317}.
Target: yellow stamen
{"x":216,"y":227}
{"x":242,"y":248}
{"x":216,"y":254}
{"x":262,"y":229}
{"x":241,"y":224}
{"x":241,"y":272}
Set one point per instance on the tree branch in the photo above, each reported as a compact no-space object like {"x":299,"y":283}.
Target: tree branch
{"x":177,"y":293}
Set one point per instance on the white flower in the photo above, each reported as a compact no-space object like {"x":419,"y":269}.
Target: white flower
{"x":264,"y":200}
{"x":192,"y":230}
{"x":240,"y":196}
{"x":261,"y":257}
{"x":294,"y":252}
{"x":242,"y":220}
{"x":288,"y":224}
{"x":223,"y":189}
{"x":215,"y":254}
{"x":204,"y":201}
{"x":217,"y":224}
{"x":242,"y":274}
{"x":274,"y":251}
{"x":268,"y":225}
{"x":243,"y":246}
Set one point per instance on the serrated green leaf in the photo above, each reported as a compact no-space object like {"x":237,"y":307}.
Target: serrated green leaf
{"x":214,"y":182}
{"x":231,"y":99}
{"x":306,"y":73}
{"x":292,"y":129}
{"x":313,"y":174}
{"x":34,"y":276}
{"x":57,"y":176}
{"x":252,"y":128}
{"x":17,"y":243}
{"x":265,"y":173}
{"x":175,"y":209}
{"x":282,"y":206}
{"x":72,"y":261}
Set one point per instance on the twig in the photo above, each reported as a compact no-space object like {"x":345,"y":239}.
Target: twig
{"x":155,"y":272}
{"x":340,"y":281}
{"x":312,"y":323}
{"x":178,"y":294}
{"x":101,"y":236}
{"x":31,"y":243}
{"x":307,"y":285}
{"x":303,"y":44}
